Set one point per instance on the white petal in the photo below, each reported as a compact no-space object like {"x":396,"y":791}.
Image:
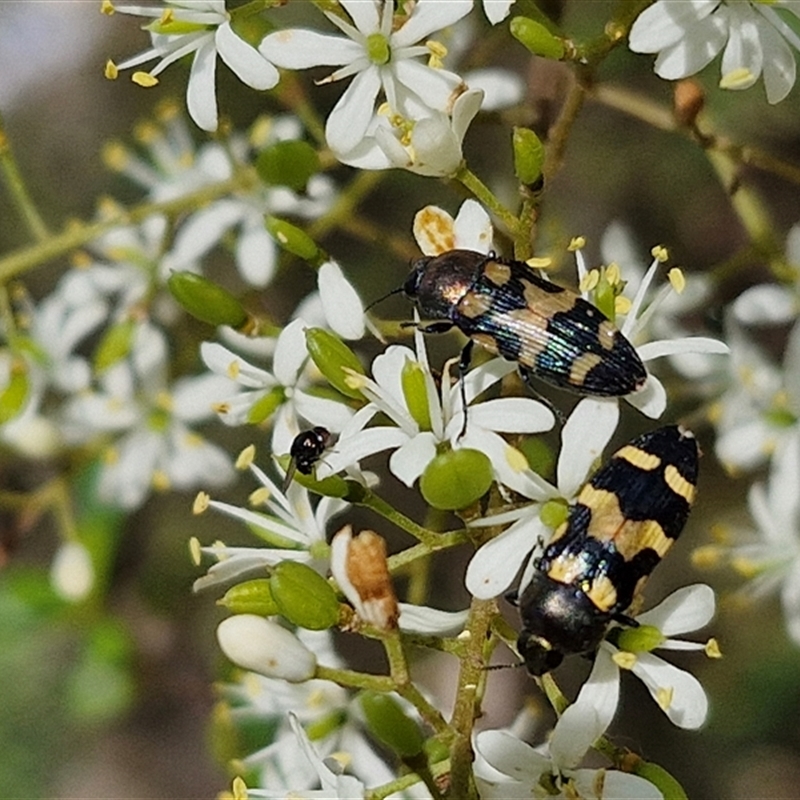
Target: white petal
{"x":501,"y":88}
{"x":203,"y":230}
{"x":497,"y":10}
{"x":472,"y":228}
{"x":290,"y":353}
{"x":743,"y":50}
{"x":495,"y":565}
{"x":256,"y":255}
{"x":201,"y":97}
{"x":408,"y":462}
{"x":689,"y":344}
{"x":348,"y":121}
{"x":248,"y":64}
{"x":651,"y":399}
{"x":512,"y":415}
{"x":665,"y":23}
{"x":790,"y":598}
{"x":689,"y":706}
{"x":686,"y":609}
{"x":322,"y":411}
{"x":193,"y":397}
{"x":340,"y":301}
{"x":300,"y":49}
{"x":585,"y":434}
{"x":616,"y":784}
{"x":425,"y":620}
{"x":507,"y":754}
{"x":745,"y":446}
{"x":697,"y":48}
{"x":765,"y":304}
{"x":780,"y":66}
{"x":436,"y":86}
{"x":352,"y":449}
{"x":589,"y":716}
{"x":429,"y":16}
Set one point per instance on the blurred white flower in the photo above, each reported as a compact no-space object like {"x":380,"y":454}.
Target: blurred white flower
{"x":72,"y":572}
{"x":754,"y":38}
{"x":202,"y":27}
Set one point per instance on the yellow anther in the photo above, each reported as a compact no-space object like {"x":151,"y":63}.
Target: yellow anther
{"x":239,"y":789}
{"x":258,"y":497}
{"x":660,"y":253}
{"x":144,"y":79}
{"x":545,"y":262}
{"x":111,"y":455}
{"x":111,"y":72}
{"x":246,"y":457}
{"x":164,"y":401}
{"x":516,"y":459}
{"x":746,"y":567}
{"x":233,"y":370}
{"x":712,"y":648}
{"x":576,"y":243}
{"x":167,"y":17}
{"x":107,"y":8}
{"x":115,"y":156}
{"x":353,"y":379}
{"x":622,"y":305}
{"x":740,"y":78}
{"x":720,"y":533}
{"x":438,"y":51}
{"x":677,"y":279}
{"x":195,"y":550}
{"x":589,"y":280}
{"x":221,"y":408}
{"x":706,"y":557}
{"x":613,"y":274}
{"x":624,"y":660}
{"x":201,"y":502}
{"x":161,"y":481}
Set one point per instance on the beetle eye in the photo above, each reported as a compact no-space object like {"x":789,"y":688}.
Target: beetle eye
{"x":411,"y":286}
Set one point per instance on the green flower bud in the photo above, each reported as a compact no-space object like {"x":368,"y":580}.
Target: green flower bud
{"x":293,"y":239}
{"x":554,"y":513}
{"x":250,"y":597}
{"x":416,"y":394}
{"x":303,"y":596}
{"x":205,"y":300}
{"x":266,"y":406}
{"x":456,"y":478}
{"x":641,"y":639}
{"x":536,"y":38}
{"x":528,"y":156}
{"x":290,"y":163}
{"x":661,"y":779}
{"x":605,"y":297}
{"x":263,"y":646}
{"x":780,"y":417}
{"x":115,"y":345}
{"x":332,"y":357}
{"x":387,"y":720}
{"x":15,"y":394}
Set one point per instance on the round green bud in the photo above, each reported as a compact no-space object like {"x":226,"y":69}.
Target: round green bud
{"x":303,"y":596}
{"x":456,"y":479}
{"x":641,"y":639}
{"x":528,"y":156}
{"x":206,"y":300}
{"x":333,"y":357}
{"x":115,"y":345}
{"x":536,"y":38}
{"x":293,"y":239}
{"x":554,"y":513}
{"x":388,"y":722}
{"x":290,"y":163}
{"x":250,"y":597}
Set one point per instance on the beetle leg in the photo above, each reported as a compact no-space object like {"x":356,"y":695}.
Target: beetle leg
{"x":528,"y":378}
{"x":429,"y":327}
{"x":463,"y":367}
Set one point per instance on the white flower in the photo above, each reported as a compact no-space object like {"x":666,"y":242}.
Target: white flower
{"x":156,"y":445}
{"x":437,"y":232}
{"x":296,"y":530}
{"x":315,"y":703}
{"x":678,"y":693}
{"x":430,"y":145}
{"x":201,"y":27}
{"x":381,"y":59}
{"x":688,"y":34}
{"x":174,"y":167}
{"x":415,"y":434}
{"x":773,"y":562}
{"x":584,"y":436}
{"x":651,"y":400}
{"x":72,"y":572}
{"x":508,"y":769}
{"x":334,"y":785}
{"x":497,"y":10}
{"x":278,"y":393}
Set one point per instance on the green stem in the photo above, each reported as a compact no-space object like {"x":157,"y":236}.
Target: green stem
{"x":406,"y":781}
{"x":348,"y":201}
{"x":439,"y":541}
{"x":467,"y":707}
{"x":82,"y":233}
{"x":486,"y":196}
{"x":18,"y":189}
{"x":355,"y":680}
{"x":429,"y":538}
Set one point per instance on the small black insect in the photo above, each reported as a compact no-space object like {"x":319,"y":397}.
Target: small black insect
{"x":307,"y":448}
{"x":504,"y":306}
{"x":622,"y":524}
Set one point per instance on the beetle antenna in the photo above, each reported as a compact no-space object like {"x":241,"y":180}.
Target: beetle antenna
{"x":398,"y":290}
